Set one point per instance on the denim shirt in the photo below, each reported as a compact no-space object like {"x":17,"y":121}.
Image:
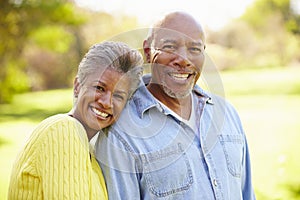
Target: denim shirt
{"x":150,"y":154}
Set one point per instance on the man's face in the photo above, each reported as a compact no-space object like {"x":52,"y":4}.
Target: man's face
{"x":177,"y":57}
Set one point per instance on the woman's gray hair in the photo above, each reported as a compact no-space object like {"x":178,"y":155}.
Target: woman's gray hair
{"x":116,"y":55}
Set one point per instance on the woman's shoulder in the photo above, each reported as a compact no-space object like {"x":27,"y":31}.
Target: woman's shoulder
{"x":59,"y":125}
{"x":58,"y":120}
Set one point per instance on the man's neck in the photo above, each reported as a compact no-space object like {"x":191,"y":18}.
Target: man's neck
{"x":181,"y":106}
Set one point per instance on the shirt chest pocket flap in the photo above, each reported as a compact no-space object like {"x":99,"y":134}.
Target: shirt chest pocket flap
{"x":167,"y":171}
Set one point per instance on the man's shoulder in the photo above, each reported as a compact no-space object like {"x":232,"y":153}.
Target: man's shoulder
{"x":140,"y":101}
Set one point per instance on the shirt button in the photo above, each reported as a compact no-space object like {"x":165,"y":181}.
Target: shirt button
{"x":215,"y":182}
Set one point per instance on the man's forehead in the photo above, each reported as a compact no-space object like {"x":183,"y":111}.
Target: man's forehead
{"x":165,"y":36}
{"x":160,"y":33}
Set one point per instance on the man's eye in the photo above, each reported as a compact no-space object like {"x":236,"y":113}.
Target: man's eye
{"x":169,"y":47}
{"x":195,"y":50}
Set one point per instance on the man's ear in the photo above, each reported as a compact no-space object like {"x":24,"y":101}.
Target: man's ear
{"x":147,"y":51}
{"x":76,"y":87}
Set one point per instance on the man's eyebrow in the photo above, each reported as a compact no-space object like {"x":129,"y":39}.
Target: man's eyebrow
{"x":196,"y":43}
{"x":168,"y":41}
{"x":193,"y":43}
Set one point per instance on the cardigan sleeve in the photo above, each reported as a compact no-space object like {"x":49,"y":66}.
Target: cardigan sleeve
{"x":56,"y":163}
{"x":62,"y":162}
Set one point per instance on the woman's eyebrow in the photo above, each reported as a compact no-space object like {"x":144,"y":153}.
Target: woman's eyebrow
{"x":99,"y":82}
{"x":120,"y":91}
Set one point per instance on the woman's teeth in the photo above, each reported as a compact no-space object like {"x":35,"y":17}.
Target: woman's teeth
{"x":101,"y":114}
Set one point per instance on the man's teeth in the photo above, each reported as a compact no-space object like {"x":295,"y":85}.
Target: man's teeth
{"x":180,"y":76}
{"x":98,"y":112}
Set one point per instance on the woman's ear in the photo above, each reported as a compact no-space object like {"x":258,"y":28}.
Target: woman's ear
{"x":76,"y":87}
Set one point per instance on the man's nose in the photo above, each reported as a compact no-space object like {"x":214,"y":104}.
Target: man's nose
{"x":183,"y":57}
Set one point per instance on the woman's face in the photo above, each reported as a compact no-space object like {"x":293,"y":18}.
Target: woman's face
{"x":101,"y":99}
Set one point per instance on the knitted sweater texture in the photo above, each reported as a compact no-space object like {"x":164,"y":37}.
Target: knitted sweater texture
{"x":57,"y":162}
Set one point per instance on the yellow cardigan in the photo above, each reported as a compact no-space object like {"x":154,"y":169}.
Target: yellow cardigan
{"x":57,"y":163}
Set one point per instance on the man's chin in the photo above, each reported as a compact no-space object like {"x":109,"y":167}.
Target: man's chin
{"x":177,"y":94}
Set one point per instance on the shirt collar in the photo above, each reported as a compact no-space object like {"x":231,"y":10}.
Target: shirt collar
{"x":144,"y":100}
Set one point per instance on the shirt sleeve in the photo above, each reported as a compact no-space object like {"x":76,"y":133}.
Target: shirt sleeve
{"x":246,"y":177}
{"x":247,"y":189}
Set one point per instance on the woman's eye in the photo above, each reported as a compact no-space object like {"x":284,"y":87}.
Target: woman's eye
{"x":119,"y":97}
{"x":99,"y":88}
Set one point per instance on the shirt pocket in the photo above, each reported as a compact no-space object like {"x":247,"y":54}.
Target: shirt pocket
{"x":233,"y":149}
{"x":167,"y":172}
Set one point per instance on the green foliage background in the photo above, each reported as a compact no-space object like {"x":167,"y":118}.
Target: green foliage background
{"x":257,"y":54}
{"x":42,"y":42}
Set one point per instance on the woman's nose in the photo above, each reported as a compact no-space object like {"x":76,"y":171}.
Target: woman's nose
{"x":105,"y":100}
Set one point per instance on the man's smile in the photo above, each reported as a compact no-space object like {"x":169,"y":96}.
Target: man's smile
{"x":180,"y":77}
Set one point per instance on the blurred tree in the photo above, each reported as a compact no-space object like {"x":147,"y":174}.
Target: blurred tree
{"x":261,"y":37}
{"x":277,"y":25}
{"x":25,"y":23}
{"x":261,"y":11}
{"x":107,"y":27}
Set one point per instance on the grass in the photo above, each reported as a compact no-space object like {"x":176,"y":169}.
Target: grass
{"x":36,"y":106}
{"x":267,"y":101}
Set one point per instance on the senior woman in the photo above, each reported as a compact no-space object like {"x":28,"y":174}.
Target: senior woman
{"x":57,"y":162}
